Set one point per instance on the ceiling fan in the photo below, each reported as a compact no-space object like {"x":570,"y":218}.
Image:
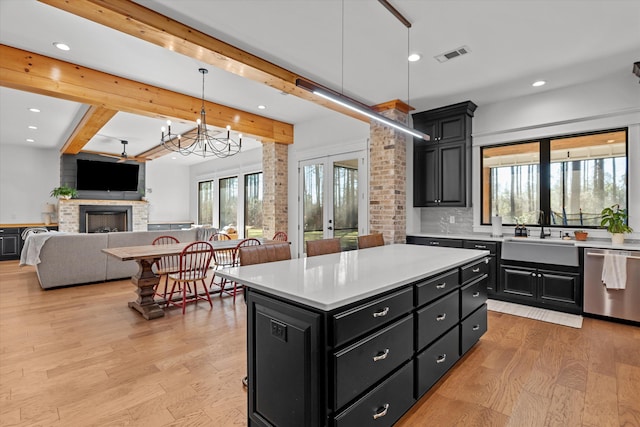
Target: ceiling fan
{"x":122,"y":157}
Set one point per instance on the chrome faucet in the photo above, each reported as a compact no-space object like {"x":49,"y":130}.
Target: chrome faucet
{"x":541,"y":222}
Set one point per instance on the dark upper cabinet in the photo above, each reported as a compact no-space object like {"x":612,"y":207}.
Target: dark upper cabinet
{"x":442,"y":165}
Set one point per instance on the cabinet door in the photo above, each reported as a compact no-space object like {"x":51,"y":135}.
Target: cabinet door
{"x":451,"y":129}
{"x":429,"y":127}
{"x":425,"y":175}
{"x":559,"y":287}
{"x":451,"y":159}
{"x":519,"y":281}
{"x":10,"y":246}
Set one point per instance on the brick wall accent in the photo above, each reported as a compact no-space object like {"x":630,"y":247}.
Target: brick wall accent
{"x":387,"y":176}
{"x":69,"y":213}
{"x":275,"y":169}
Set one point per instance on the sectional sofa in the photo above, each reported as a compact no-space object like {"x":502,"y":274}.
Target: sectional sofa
{"x":71,"y":259}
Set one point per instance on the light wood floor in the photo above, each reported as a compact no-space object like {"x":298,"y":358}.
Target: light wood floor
{"x":80,"y":357}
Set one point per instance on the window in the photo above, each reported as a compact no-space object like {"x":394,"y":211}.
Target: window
{"x":205,"y":202}
{"x":253,"y":205}
{"x":229,"y":202}
{"x":571,"y":179}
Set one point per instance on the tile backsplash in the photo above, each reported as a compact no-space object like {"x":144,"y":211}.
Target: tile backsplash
{"x":438,"y":220}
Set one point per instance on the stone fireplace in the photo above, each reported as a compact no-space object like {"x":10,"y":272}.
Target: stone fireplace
{"x":82,"y":215}
{"x":105,"y":219}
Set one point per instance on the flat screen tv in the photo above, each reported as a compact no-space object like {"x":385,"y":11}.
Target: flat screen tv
{"x":106,"y":176}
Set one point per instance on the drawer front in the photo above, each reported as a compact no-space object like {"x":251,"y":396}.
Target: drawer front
{"x":383,"y":405}
{"x":473,"y":271}
{"x":432,"y":241}
{"x":9,"y":231}
{"x":472,"y":328}
{"x":435,"y":319}
{"x":359,"y":320}
{"x":437,"y":359}
{"x":481,"y":245}
{"x":436,"y":287}
{"x":362,"y":364}
{"x":473,"y":296}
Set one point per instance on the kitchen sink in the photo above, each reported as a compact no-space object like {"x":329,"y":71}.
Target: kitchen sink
{"x":543,"y":251}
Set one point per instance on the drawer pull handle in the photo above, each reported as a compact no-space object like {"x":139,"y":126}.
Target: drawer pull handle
{"x":476,"y":294}
{"x":441,"y":317}
{"x":382,"y":355}
{"x":475,"y":327}
{"x":381,"y":413}
{"x":481,"y":247}
{"x":441,"y":286}
{"x":381,"y":313}
{"x":442,"y":358}
{"x":475,"y":270}
{"x":486,"y":260}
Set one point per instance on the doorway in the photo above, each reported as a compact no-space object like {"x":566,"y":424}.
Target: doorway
{"x":333,"y":199}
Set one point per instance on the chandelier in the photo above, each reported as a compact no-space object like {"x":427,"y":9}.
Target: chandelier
{"x":199,"y":141}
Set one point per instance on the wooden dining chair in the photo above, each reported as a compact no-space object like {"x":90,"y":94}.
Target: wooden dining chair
{"x":370,"y":240}
{"x":323,"y":246}
{"x":281,"y":236}
{"x":194,"y":265}
{"x":219,"y":236}
{"x":165,"y":265}
{"x":237,"y":260}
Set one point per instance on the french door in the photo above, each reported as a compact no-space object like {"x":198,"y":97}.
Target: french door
{"x":333,"y":199}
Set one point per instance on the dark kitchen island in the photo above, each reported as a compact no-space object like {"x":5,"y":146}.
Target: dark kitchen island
{"x":355,"y":338}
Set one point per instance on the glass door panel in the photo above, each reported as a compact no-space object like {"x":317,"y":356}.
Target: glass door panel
{"x":312,"y":202}
{"x":345,"y":202}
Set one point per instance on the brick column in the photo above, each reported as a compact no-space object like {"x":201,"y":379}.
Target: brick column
{"x":387,"y":174}
{"x":275,"y":213}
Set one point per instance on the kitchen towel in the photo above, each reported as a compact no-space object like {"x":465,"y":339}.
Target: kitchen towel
{"x":496,"y":226}
{"x":614,"y":271}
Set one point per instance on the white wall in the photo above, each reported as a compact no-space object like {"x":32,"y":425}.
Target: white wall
{"x":612,"y":102}
{"x":27,"y":176}
{"x":167,"y":190}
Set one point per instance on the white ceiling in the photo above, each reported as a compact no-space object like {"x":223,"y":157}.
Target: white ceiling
{"x":353,"y":46}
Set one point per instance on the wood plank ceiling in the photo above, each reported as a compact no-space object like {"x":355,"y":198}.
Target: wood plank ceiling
{"x":108,"y":94}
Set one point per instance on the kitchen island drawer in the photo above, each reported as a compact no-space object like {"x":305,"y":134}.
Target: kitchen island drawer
{"x":383,"y":405}
{"x":492,"y":247}
{"x":473,"y":296}
{"x":361,"y":365}
{"x":473,"y":271}
{"x":352,"y":323}
{"x":436,"y":360}
{"x":435,"y":319}
{"x":436,"y":287}
{"x":472,"y":328}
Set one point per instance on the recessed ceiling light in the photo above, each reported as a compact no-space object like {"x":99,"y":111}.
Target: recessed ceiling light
{"x":261,"y":107}
{"x":34,"y":110}
{"x":414,"y":57}
{"x":538,"y":83}
{"x":62,"y":46}
{"x":33,"y":127}
{"x":31,"y":140}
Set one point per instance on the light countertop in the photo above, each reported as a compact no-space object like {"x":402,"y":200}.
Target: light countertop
{"x":331,"y":281}
{"x":630,"y":245}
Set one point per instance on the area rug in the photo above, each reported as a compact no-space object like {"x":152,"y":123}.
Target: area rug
{"x":565,"y":319}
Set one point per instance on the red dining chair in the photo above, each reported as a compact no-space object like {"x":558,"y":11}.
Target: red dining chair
{"x":194,"y":265}
{"x":281,"y":236}
{"x":233,"y":290}
{"x":165,"y":265}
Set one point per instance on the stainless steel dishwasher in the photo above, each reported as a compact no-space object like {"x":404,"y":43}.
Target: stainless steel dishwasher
{"x":618,"y":303}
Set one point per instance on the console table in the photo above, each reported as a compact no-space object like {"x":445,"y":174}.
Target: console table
{"x":355,"y":338}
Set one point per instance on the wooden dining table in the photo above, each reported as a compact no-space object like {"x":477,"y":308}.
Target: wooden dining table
{"x":146,"y":280}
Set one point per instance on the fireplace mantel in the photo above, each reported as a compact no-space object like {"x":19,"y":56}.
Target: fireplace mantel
{"x":69,"y":212}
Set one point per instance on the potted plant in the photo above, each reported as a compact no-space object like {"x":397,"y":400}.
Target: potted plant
{"x":615,"y":220}
{"x":581,"y":235}
{"x":64,"y":192}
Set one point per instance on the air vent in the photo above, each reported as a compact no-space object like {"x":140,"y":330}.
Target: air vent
{"x":453,"y":54}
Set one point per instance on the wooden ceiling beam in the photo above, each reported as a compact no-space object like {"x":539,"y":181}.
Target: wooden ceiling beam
{"x":138,"y":21}
{"x":92,"y":121}
{"x":40,"y":74}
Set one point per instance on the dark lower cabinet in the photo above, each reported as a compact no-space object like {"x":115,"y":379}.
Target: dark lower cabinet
{"x":9,"y":243}
{"x":543,"y":286}
{"x":364,"y":364}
